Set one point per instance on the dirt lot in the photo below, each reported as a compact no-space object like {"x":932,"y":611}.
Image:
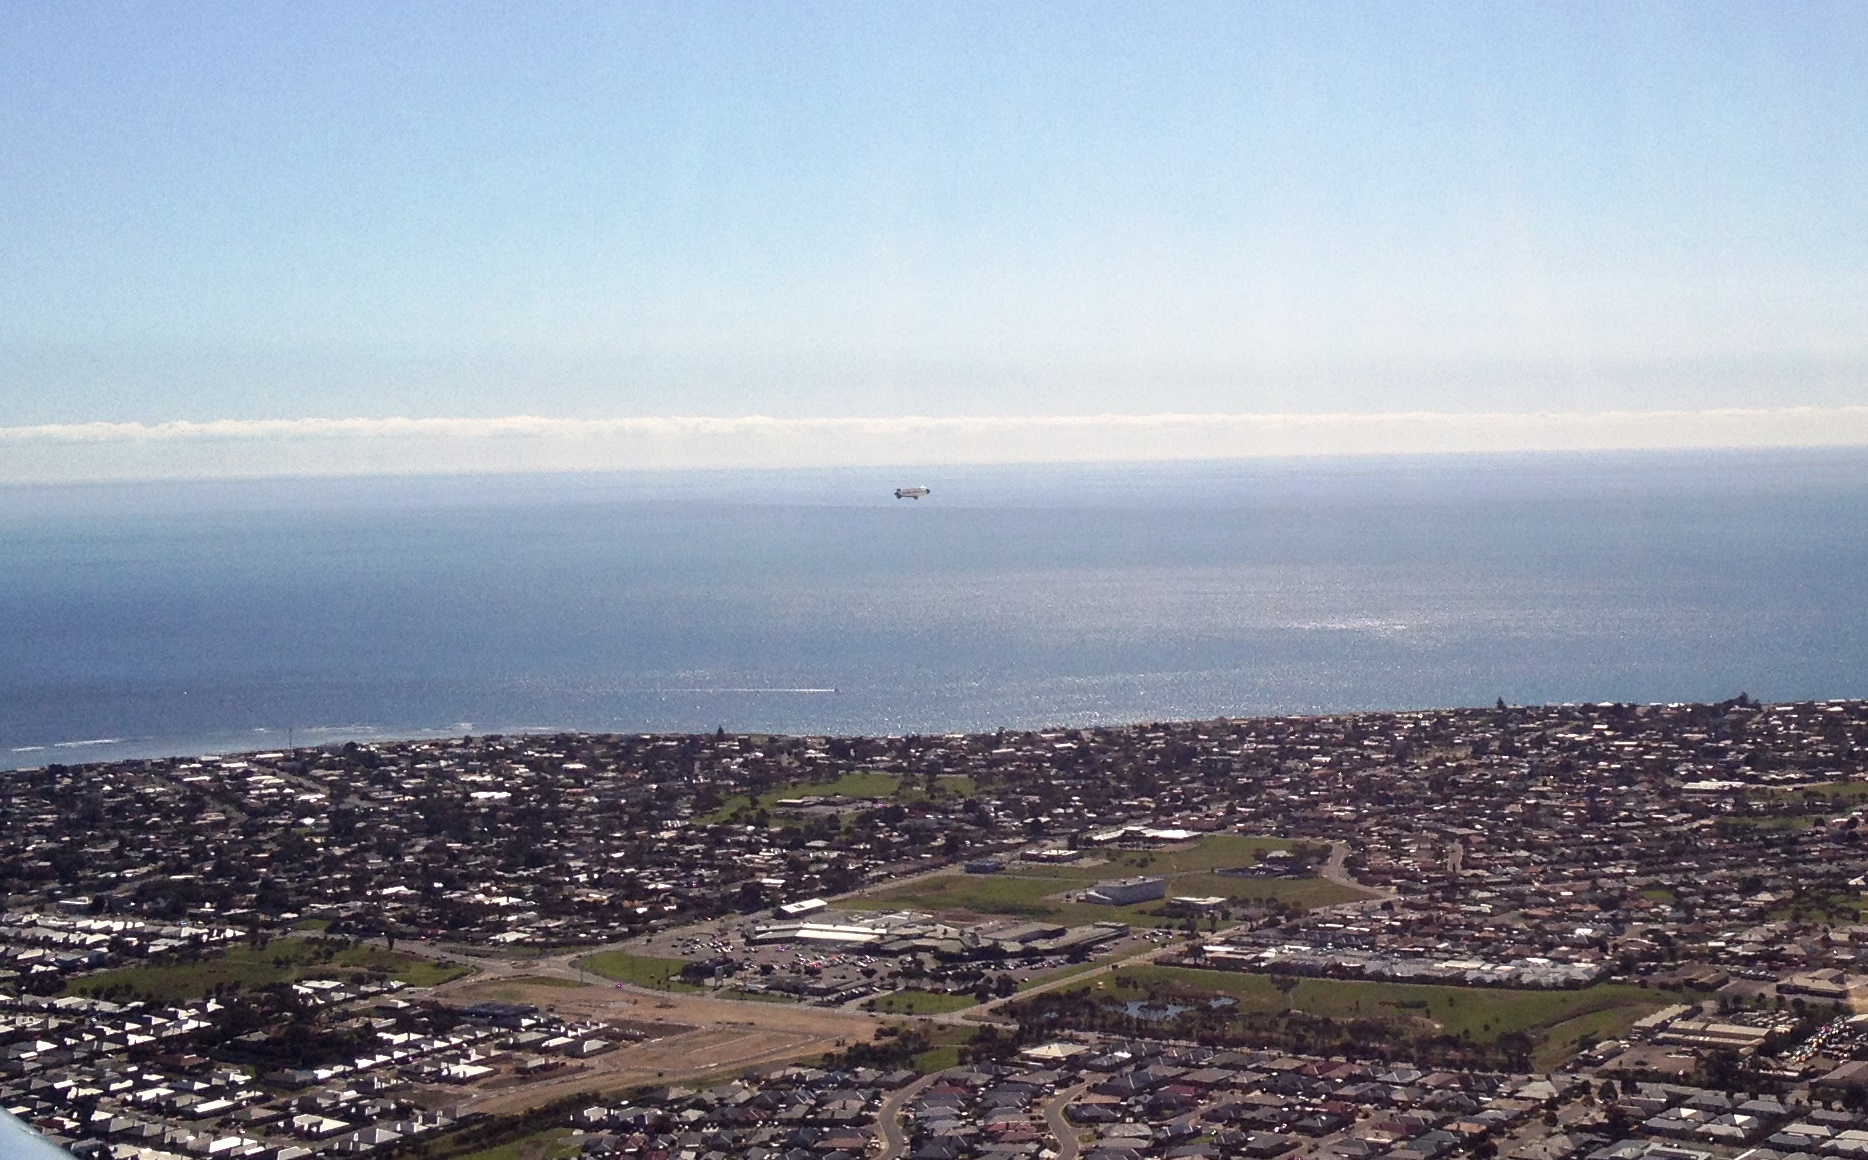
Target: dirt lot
{"x":700,"y":1036}
{"x":608,"y":1004}
{"x":678,"y":1057}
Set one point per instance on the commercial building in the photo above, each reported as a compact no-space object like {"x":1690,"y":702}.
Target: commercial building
{"x":1124,"y":891}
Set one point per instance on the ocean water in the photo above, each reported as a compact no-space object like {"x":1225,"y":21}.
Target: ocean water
{"x":203,"y":617}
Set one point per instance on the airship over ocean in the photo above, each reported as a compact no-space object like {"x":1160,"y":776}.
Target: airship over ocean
{"x":910,"y":492}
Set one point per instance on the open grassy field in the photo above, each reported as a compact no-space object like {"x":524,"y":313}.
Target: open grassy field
{"x":1556,"y":1020}
{"x":913,"y":1002}
{"x":1031,"y":890}
{"x":284,"y":960}
{"x":1773,"y":822}
{"x":944,"y":1048}
{"x":544,"y":981}
{"x":659,"y":974}
{"x":1822,"y":797}
{"x":861,"y":784}
{"x":550,"y":1144}
{"x":1799,"y":807}
{"x":1071,"y":971}
{"x":1823,"y":906}
{"x":642,"y":970}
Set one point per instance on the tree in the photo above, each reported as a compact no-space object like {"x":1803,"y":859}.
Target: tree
{"x":1515,"y":1047}
{"x":1285,"y":984}
{"x":1616,"y":1121}
{"x":1722,"y":1067}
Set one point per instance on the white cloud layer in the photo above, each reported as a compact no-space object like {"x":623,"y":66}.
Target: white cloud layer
{"x":244,"y":448}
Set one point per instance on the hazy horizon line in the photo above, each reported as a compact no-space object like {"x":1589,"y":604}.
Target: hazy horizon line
{"x":257,"y":448}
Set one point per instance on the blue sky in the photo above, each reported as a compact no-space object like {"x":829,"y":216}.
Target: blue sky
{"x":280,"y":211}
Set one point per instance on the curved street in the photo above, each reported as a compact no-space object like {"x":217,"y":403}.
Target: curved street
{"x":889,"y":1118}
{"x":1062,"y":1130}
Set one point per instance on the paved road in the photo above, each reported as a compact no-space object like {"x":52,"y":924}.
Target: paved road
{"x":815,"y":1028}
{"x":1337,"y":870}
{"x":1062,"y":1130}
{"x":985,"y":1012}
{"x":889,"y":1118}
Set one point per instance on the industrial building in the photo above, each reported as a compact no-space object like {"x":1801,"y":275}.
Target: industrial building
{"x":1124,"y":891}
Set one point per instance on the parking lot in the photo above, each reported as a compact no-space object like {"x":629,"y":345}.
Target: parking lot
{"x":727,"y":955}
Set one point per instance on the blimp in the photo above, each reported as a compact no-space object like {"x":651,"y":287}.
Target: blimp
{"x":910,"y":492}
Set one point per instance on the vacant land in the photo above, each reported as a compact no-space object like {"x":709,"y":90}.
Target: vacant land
{"x":642,"y":970}
{"x":1825,"y":796}
{"x":1552,"y":1023}
{"x":662,"y":975}
{"x":1034,"y":890}
{"x":863,"y":784}
{"x":1770,"y":822}
{"x":1797,"y":807}
{"x":285,"y":960}
{"x":605,"y":1003}
{"x":514,"y":989}
{"x":1062,"y":973}
{"x":543,"y":981}
{"x":944,"y":1042}
{"x":697,"y":1055}
{"x":1483,"y":1012}
{"x":913,"y":1002}
{"x":1823,"y":906}
{"x":550,"y":1144}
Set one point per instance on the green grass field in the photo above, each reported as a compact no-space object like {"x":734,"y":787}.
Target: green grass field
{"x":1778,"y":822}
{"x":1843,"y":906}
{"x":1802,"y":807}
{"x":284,"y":960}
{"x":642,"y":970}
{"x":918,"y":1003}
{"x":1028,"y":890}
{"x":543,"y":981}
{"x":938,"y":1058}
{"x":1827,"y":796}
{"x":1066,"y":972}
{"x":944,"y":1047}
{"x":1557,"y":1019}
{"x":550,"y":1144}
{"x":661,"y":975}
{"x":862,"y":784}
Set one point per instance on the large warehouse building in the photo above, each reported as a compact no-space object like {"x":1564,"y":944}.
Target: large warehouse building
{"x":1126,"y":890}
